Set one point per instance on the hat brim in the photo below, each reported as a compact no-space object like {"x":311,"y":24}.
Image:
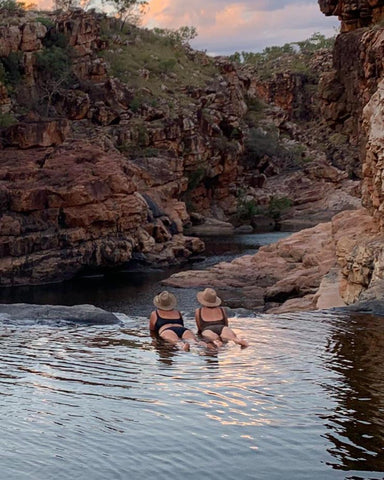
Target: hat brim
{"x":200,"y":298}
{"x":160,"y":306}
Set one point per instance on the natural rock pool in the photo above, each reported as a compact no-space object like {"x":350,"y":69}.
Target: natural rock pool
{"x":304,"y":400}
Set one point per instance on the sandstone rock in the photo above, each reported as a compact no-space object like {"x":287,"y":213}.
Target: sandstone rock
{"x":87,"y":314}
{"x":211,"y":226}
{"x":308,"y":270}
{"x":38,"y":134}
{"x":5,"y":101}
{"x":354,"y":14}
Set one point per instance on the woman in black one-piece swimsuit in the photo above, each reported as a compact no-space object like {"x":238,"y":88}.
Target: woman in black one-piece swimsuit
{"x":212,"y":320}
{"x":168,"y":323}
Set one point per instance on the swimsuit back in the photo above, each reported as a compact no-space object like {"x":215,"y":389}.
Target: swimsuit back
{"x":161,"y":321}
{"x":205,"y":324}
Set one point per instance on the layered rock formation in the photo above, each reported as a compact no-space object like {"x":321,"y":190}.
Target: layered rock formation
{"x":76,"y":207}
{"x":96,"y":170}
{"x":340,"y":262}
{"x":301,"y":272}
{"x":354,"y":13}
{"x":88,"y":181}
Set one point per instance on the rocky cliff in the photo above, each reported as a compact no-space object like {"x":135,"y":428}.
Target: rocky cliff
{"x":354,"y":14}
{"x":340,"y":262}
{"x":111,"y":138}
{"x":94,"y":170}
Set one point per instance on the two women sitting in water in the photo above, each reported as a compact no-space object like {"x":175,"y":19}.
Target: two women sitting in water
{"x":211,"y":321}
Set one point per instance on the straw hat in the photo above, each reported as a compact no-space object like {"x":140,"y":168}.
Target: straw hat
{"x":208,"y":298}
{"x":165,"y":301}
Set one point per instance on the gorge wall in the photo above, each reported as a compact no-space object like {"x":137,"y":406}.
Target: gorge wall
{"x":352,"y":95}
{"x":90,"y":177}
{"x":340,"y":262}
{"x":102,"y":165}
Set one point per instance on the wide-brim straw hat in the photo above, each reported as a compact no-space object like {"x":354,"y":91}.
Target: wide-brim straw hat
{"x":209,"y":298}
{"x":165,"y":301}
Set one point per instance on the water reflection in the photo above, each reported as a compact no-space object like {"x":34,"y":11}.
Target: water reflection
{"x":356,"y":427}
{"x":308,"y":392}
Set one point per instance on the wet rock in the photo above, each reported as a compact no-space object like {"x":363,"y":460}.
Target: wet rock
{"x":87,"y":314}
{"x":211,"y":227}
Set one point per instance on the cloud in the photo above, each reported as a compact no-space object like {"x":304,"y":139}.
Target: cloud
{"x":226,"y":26}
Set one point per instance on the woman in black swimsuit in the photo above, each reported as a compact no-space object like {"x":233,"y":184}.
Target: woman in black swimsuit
{"x":212,"y":320}
{"x":168,"y":323}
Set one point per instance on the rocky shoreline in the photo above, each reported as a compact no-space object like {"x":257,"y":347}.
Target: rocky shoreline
{"x":322,"y":267}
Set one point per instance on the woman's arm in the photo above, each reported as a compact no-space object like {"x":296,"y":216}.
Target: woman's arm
{"x":197,"y":319}
{"x":225,"y":315}
{"x":152,"y":321}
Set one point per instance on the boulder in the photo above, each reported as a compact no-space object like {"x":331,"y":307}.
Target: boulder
{"x":85,"y":314}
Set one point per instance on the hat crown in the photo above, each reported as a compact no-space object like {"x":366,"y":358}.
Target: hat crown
{"x":165,"y":299}
{"x":209,"y":295}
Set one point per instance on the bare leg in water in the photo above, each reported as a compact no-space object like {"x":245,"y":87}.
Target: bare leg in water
{"x":188,"y":336}
{"x":171,"y":337}
{"x":212,"y":337}
{"x":228,"y":334}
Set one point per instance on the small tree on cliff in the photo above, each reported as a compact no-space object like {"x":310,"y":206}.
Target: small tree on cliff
{"x":128,"y":10}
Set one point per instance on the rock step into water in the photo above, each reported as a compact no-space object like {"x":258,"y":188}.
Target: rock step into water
{"x":88,"y":314}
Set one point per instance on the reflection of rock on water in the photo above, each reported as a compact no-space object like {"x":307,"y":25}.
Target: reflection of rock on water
{"x":356,"y":426}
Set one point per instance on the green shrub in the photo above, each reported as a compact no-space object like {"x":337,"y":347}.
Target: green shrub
{"x":195,"y":178}
{"x":224,"y":145}
{"x":338,"y":139}
{"x":135,"y":104}
{"x":277,"y":205}
{"x":247,"y":209}
{"x":47,"y":22}
{"x":3,"y":73}
{"x":54,"y":62}
{"x":182,"y":35}
{"x":13,"y":68}
{"x":6,"y":120}
{"x":260,"y":143}
{"x":11,"y":7}
{"x":167,"y":66}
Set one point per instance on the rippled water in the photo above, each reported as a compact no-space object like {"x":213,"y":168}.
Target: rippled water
{"x":305,"y":400}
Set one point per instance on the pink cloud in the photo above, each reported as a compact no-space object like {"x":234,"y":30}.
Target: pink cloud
{"x":225,"y":26}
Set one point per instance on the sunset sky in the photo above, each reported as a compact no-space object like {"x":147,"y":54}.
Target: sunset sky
{"x":226,"y":26}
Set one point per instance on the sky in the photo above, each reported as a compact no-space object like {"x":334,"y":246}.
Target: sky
{"x":227,"y":26}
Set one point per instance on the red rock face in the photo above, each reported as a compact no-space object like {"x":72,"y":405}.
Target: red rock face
{"x":354,"y":13}
{"x":69,"y":200}
{"x":347,"y":91}
{"x":75,"y":207}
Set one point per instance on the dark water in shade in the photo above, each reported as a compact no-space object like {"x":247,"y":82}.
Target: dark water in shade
{"x":304,"y":401}
{"x":132,"y":291}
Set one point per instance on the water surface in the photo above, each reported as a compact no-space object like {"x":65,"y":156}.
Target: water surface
{"x":305,"y":400}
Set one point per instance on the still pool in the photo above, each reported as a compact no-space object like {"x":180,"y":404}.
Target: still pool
{"x":304,"y":401}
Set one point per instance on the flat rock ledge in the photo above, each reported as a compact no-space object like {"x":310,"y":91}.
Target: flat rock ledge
{"x":331,"y":265}
{"x":88,"y":314}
